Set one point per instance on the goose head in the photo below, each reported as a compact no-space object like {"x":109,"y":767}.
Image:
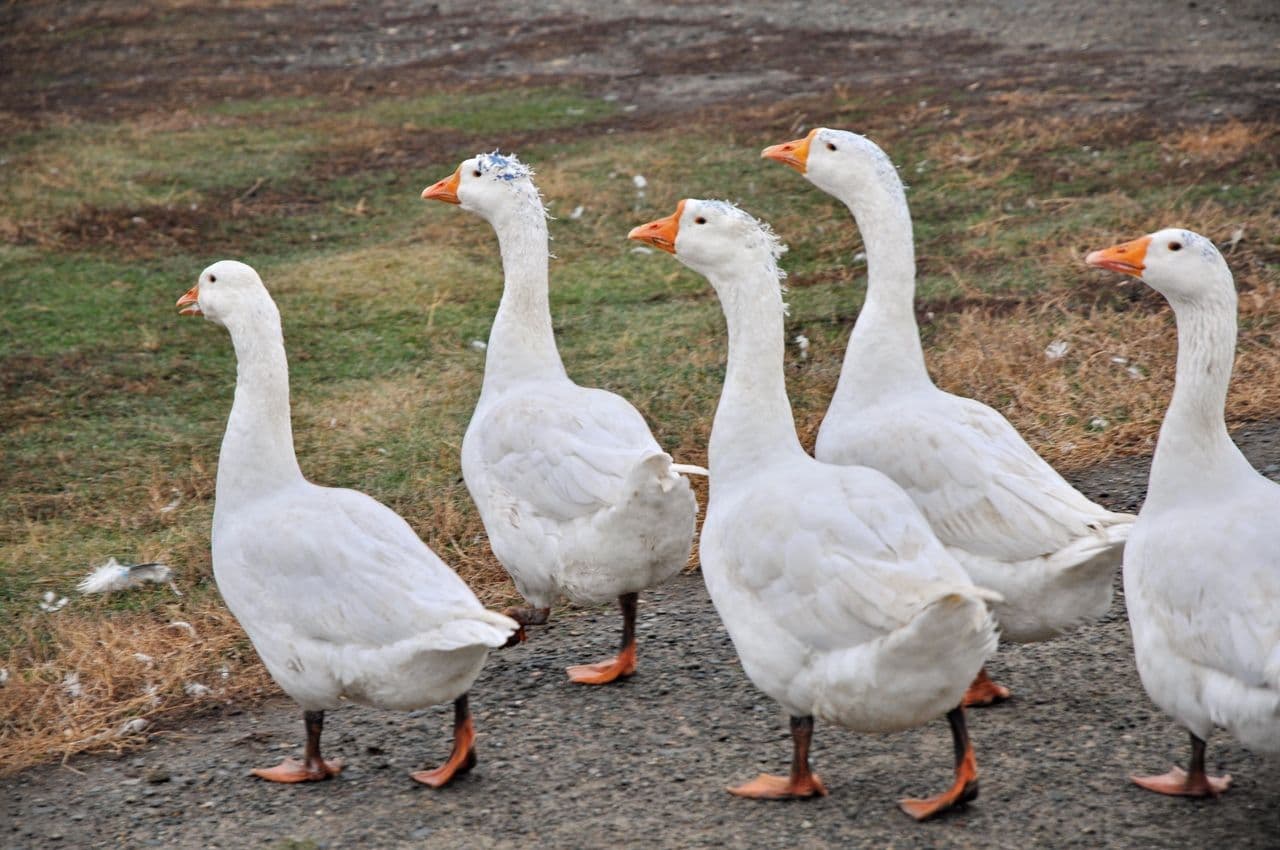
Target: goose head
{"x":714,"y":238}
{"x":491,"y":185}
{"x":226,"y":291}
{"x":1181,"y":265}
{"x":836,"y":161}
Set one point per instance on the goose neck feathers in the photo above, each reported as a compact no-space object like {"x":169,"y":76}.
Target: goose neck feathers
{"x":884,"y":352}
{"x":1194,"y":448}
{"x":522,"y":342}
{"x":739,"y":256}
{"x":257,"y":454}
{"x":753,"y":421}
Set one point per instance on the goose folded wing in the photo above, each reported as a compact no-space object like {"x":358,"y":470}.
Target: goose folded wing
{"x":339,"y":567}
{"x":836,"y":577}
{"x":566,"y":455}
{"x":983,"y":488}
{"x":1222,"y":613}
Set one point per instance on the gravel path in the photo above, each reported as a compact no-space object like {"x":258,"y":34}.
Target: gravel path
{"x":645,"y":763}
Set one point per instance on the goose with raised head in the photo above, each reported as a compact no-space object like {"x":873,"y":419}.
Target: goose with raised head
{"x":1011,"y":520}
{"x":839,"y":599}
{"x":341,"y":599}
{"x":577,"y":497}
{"x":1202,"y":568}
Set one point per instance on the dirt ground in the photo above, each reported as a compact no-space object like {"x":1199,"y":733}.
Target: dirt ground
{"x":645,"y":763}
{"x":119,"y":58}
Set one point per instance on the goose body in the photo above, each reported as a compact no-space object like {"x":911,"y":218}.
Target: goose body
{"x":577,"y":497}
{"x":1202,"y":568}
{"x":841,"y":602}
{"x":839,"y":599}
{"x":1008,"y":517}
{"x":341,"y":599}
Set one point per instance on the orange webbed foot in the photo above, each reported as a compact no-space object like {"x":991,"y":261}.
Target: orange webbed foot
{"x":955,"y":796}
{"x":291,"y":770}
{"x":983,"y":691}
{"x":964,"y":787}
{"x":1178,"y":783}
{"x":463,"y":755}
{"x":447,"y":772}
{"x":768,"y":787}
{"x":621,"y":666}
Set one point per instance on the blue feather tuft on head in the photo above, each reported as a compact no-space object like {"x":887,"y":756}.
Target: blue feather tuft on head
{"x":503,"y":167}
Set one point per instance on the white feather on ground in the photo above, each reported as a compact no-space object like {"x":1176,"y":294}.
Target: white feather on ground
{"x":50,"y":602}
{"x":113,"y":576}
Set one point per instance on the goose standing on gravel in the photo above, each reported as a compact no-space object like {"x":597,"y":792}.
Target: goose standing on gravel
{"x":840,"y":601}
{"x":340,"y":597}
{"x":575,"y":494}
{"x":1011,"y":520}
{"x":1202,"y":568}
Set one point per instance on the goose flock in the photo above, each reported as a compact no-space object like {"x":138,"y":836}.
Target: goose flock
{"x":864,"y":586}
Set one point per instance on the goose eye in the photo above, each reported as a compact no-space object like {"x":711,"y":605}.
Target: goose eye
{"x":830,"y":146}
{"x":699,"y":220}
{"x":1175,"y":246}
{"x":213,"y":278}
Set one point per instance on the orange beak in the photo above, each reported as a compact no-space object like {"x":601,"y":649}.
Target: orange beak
{"x":444,"y":190}
{"x":794,"y":154}
{"x":1128,"y":258}
{"x":661,"y":234}
{"x":190,"y":303}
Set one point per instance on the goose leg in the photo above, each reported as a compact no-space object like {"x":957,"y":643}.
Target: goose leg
{"x":965,"y":786}
{"x":1179,"y":783}
{"x":526,"y":615}
{"x":463,"y":756}
{"x":802,"y":782}
{"x":984,"y":691}
{"x":621,"y":665}
{"x":313,"y":766}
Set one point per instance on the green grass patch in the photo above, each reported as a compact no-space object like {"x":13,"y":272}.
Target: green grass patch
{"x":504,"y":111}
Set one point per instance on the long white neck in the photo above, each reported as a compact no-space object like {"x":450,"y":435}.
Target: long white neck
{"x":753,"y":423}
{"x":257,"y":450}
{"x":522,"y":345}
{"x":884,"y":352}
{"x":1194,"y":453}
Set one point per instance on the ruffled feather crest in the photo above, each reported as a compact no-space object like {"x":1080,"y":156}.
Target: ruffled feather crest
{"x":501,"y":166}
{"x":756,"y":233}
{"x":508,"y":169}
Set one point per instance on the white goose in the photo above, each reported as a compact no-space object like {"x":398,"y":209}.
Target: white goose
{"x":1202,"y":568}
{"x":341,"y":599}
{"x":1014,"y":523}
{"x":842,"y":604}
{"x":576,"y":495}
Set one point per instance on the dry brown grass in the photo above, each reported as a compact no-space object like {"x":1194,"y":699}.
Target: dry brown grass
{"x":1107,"y":396}
{"x":132,"y":671}
{"x":1221,"y":142}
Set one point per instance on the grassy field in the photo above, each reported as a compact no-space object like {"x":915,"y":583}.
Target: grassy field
{"x":113,"y":406}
